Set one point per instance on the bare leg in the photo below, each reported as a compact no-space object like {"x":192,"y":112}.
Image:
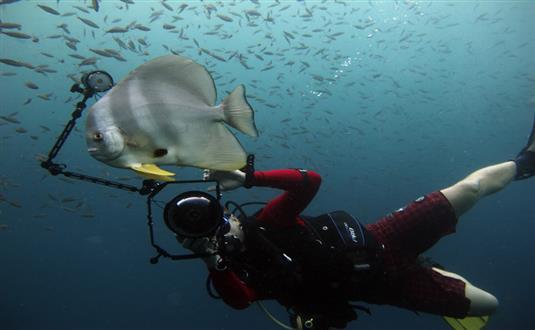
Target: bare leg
{"x":482,"y":303}
{"x":467,"y":192}
{"x":462,"y":196}
{"x":488,"y":180}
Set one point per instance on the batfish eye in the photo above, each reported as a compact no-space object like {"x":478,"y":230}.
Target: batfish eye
{"x":98,"y":137}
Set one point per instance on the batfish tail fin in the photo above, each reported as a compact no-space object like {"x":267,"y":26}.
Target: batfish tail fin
{"x":212,"y":147}
{"x":238,"y":113}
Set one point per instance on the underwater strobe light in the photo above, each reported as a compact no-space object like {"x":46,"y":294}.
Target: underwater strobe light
{"x":97,"y":81}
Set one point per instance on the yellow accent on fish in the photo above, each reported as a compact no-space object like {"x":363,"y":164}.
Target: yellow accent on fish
{"x":151,"y":169}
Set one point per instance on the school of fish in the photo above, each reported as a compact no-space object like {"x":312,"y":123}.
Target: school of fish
{"x":298,"y":60}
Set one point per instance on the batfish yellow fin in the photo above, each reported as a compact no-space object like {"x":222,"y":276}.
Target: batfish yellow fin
{"x":151,"y":169}
{"x":468,"y":323}
{"x":157,"y":177}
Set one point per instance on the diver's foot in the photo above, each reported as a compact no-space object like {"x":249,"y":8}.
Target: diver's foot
{"x":525,"y":160}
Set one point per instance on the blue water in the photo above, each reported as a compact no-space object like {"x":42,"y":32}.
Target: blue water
{"x":387,"y":100}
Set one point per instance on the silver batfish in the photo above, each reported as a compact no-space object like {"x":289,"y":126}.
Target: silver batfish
{"x":163,"y":113}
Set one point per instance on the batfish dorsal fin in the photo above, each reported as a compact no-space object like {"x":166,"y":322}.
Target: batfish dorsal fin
{"x":174,"y":76}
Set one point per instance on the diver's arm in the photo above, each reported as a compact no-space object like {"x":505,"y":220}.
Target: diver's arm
{"x":301,"y":187}
{"x":232,"y":290}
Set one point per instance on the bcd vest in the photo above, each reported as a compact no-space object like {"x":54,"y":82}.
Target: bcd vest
{"x":329,"y":259}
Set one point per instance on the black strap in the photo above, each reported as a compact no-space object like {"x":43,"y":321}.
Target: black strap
{"x":249,"y":172}
{"x":304,"y":174}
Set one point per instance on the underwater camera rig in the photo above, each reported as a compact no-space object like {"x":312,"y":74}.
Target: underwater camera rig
{"x":92,"y":84}
{"x":96,"y":82}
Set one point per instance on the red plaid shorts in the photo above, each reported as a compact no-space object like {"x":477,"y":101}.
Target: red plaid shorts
{"x":405,"y":234}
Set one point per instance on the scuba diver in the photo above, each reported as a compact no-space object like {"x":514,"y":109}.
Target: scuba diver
{"x":317,"y":266}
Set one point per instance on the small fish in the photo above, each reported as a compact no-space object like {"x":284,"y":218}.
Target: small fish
{"x":88,"y":22}
{"x":167,"y":6}
{"x":174,"y":99}
{"x":76,"y":56}
{"x":207,"y":52}
{"x":21,"y":130}
{"x":15,"y":34}
{"x":95,"y":5}
{"x":112,"y":52}
{"x":10,"y":119}
{"x":169,"y":27}
{"x":41,"y":157}
{"x":142,"y":42}
{"x":141,"y":27}
{"x":120,"y":43}
{"x":45,"y":128}
{"x":288,"y":34}
{"x":253,"y":13}
{"x":100,"y":52}
{"x":8,"y":25}
{"x":31,"y":85}
{"x":64,"y":28}
{"x":71,"y":39}
{"x":71,"y":45}
{"x":225,"y":18}
{"x":49,"y":10}
{"x":118,"y":29}
{"x":182,"y":7}
{"x":44,"y":70}
{"x":88,"y":61}
{"x":8,"y":61}
{"x":334,"y":35}
{"x":45,"y":97}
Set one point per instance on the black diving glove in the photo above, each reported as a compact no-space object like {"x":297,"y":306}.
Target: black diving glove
{"x":202,"y":245}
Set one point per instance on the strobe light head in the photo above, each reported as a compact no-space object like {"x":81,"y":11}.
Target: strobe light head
{"x":97,"y":81}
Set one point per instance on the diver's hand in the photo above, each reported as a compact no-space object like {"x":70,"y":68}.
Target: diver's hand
{"x":228,"y":180}
{"x":200,"y":246}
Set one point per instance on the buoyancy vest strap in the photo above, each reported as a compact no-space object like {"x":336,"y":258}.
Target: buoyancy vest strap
{"x":255,"y":233}
{"x":304,"y":174}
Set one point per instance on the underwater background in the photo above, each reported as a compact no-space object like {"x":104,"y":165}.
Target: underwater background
{"x":386,"y":100}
